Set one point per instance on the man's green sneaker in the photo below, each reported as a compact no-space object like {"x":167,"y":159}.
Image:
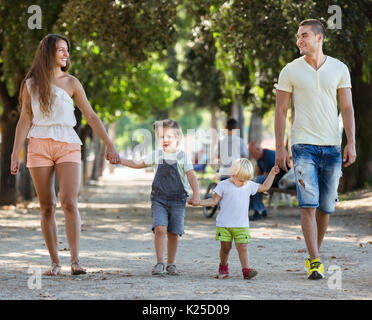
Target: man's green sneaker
{"x":316,"y":270}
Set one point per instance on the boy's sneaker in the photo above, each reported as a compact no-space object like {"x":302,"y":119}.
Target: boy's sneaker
{"x":307,"y":265}
{"x":249,"y":273}
{"x":223,"y":272}
{"x":172,"y":270}
{"x":316,"y":270}
{"x":159,"y":269}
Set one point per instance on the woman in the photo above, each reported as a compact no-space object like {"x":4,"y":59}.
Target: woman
{"x":47,"y":119}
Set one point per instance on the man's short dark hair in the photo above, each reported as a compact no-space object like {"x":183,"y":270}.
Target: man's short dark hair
{"x":231,"y":124}
{"x":316,"y":26}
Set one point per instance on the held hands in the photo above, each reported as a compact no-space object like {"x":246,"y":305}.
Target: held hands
{"x":282,"y":159}
{"x":275,"y":170}
{"x":112,"y":155}
{"x":194,"y":201}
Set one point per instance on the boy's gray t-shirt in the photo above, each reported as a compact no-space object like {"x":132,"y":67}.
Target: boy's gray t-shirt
{"x":234,"y":203}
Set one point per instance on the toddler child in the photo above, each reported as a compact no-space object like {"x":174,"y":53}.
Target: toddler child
{"x":232,"y":222}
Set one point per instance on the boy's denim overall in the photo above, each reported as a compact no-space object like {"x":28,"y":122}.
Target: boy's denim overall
{"x":168,"y":196}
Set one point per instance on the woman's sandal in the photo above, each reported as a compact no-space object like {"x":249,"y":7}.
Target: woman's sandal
{"x":78,"y":270}
{"x":54,"y":270}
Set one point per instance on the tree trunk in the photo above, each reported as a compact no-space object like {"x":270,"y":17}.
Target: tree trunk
{"x":112,"y":135}
{"x":99,"y":149}
{"x":214,"y":117}
{"x":84,"y":134}
{"x":360,"y":173}
{"x":8,"y":123}
{"x":255,"y":128}
{"x":101,"y":159}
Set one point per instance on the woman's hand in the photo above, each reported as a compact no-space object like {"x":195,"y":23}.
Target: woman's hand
{"x":112,"y":155}
{"x":15,"y":165}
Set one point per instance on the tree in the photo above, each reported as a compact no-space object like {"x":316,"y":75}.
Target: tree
{"x":199,"y":67}
{"x":131,"y":28}
{"x":17,"y":45}
{"x":263,"y":31}
{"x":125,"y":31}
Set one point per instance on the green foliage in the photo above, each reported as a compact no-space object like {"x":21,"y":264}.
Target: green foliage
{"x":200,"y":66}
{"x":128,"y":123}
{"x":258,"y":38}
{"x":145,"y":88}
{"x":18,"y":43}
{"x":125,"y":128}
{"x":131,"y":28}
{"x":114,"y":86}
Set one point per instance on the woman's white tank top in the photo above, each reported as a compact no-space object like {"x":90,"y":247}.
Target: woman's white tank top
{"x":59,"y":125}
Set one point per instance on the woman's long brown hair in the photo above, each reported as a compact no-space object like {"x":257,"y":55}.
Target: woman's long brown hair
{"x":42,"y":71}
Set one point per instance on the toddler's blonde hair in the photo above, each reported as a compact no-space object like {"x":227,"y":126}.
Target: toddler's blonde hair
{"x":242,"y":169}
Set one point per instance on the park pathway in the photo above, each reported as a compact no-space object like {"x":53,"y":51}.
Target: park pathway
{"x":117,"y":249}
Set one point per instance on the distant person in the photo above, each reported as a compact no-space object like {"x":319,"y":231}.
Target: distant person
{"x":173,"y":178}
{"x":230,"y":148}
{"x":314,"y":82}
{"x":200,"y":160}
{"x":265,"y":159}
{"x":232,"y":222}
{"x":47,"y":119}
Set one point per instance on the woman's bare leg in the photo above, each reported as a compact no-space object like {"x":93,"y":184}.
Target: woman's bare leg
{"x":68,"y":174}
{"x":43,"y":178}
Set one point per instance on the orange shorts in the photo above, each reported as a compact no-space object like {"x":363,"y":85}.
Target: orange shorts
{"x":48,"y":152}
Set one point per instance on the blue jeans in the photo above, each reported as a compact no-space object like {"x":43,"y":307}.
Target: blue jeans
{"x":168,"y":213}
{"x":317,"y":172}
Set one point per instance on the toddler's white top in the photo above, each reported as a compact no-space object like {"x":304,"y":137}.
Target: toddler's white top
{"x":234,"y":203}
{"x":59,"y":125}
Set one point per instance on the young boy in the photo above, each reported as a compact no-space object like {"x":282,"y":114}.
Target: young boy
{"x":232,"y":222}
{"x":174,"y":175}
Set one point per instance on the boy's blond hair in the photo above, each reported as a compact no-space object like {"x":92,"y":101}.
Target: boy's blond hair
{"x":242,"y":169}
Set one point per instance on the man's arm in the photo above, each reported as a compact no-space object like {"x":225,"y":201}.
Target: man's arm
{"x":347,"y":114}
{"x":283,"y":99}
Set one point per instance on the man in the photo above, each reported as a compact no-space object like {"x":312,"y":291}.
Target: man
{"x":314,"y":82}
{"x":230,"y":148}
{"x":265,"y":159}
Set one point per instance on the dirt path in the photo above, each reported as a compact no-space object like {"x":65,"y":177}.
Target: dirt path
{"x":117,"y":249}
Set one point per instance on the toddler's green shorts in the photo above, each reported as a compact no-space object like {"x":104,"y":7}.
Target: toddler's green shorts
{"x":240,"y":235}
